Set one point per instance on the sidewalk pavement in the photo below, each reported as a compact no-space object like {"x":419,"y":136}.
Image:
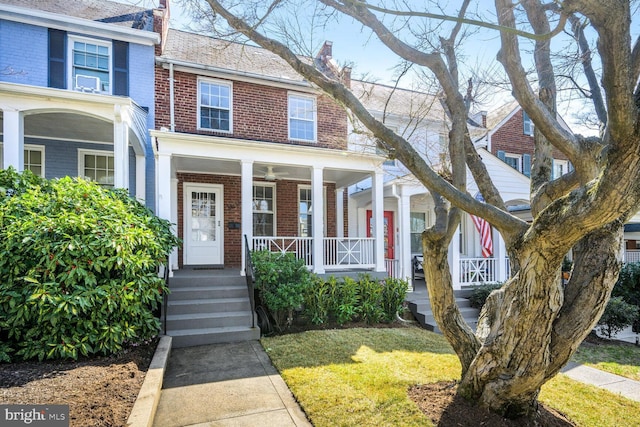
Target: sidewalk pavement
{"x":225,"y":385}
{"x":235,"y":385}
{"x":614,"y":383}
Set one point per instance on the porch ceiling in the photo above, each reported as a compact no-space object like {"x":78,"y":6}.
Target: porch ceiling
{"x":341,"y":177}
{"x":71,"y":126}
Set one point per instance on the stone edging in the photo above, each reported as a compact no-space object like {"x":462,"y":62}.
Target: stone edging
{"x":146,"y":403}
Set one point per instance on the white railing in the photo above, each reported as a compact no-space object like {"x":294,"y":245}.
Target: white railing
{"x":474,"y":271}
{"x":631,"y":255}
{"x":345,"y":252}
{"x":507,"y":268}
{"x":301,"y":246}
{"x":393,"y":267}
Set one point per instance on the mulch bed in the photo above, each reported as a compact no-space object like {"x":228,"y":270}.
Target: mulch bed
{"x":100,"y":391}
{"x":444,"y":408}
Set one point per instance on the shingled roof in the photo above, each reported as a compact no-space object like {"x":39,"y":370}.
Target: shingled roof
{"x":93,"y":10}
{"x":208,"y":51}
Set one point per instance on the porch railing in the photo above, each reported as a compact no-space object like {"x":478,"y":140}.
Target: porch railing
{"x":393,"y":267}
{"x":631,"y":255}
{"x":249,"y":274}
{"x":475,"y":271}
{"x":339,"y":252}
{"x":342,"y":252}
{"x":300,"y":246}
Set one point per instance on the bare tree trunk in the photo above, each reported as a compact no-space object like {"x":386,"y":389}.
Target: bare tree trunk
{"x":443,"y":301}
{"x":517,"y":358}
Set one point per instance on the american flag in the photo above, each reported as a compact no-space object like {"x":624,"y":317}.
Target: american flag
{"x":484,"y":228}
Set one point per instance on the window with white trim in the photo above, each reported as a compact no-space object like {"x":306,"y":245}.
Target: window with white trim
{"x":214,"y":105}
{"x":527,"y":124}
{"x":305,"y":210}
{"x":33,"y":159}
{"x":264,"y":209}
{"x":514,"y":160}
{"x":560,"y":167}
{"x":90,"y":65}
{"x":302,"y":117}
{"x":418,"y":225}
{"x":97,"y":166}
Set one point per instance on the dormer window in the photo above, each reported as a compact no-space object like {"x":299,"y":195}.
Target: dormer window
{"x":90,"y":65}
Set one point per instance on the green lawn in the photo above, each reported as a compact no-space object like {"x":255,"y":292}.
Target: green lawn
{"x":621,"y":360}
{"x":360,"y":377}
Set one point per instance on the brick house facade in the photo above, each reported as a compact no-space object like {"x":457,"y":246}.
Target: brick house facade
{"x":237,"y":120}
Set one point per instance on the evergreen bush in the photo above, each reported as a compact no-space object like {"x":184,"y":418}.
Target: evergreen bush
{"x":79,"y":268}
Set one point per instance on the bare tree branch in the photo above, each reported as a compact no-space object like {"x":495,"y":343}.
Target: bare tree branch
{"x":461,"y":20}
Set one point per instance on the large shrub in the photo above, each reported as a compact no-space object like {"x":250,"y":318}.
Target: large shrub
{"x":628,"y":287}
{"x":78,"y":265}
{"x":480,"y":294}
{"x":281,"y":280}
{"x":617,"y":315}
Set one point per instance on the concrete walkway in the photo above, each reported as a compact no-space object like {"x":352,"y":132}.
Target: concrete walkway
{"x":614,"y":383}
{"x":225,"y":385}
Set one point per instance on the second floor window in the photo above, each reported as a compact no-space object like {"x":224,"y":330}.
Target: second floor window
{"x":527,"y":124}
{"x":214,"y":105}
{"x":90,"y":65}
{"x":302,"y":118}
{"x":514,"y":161}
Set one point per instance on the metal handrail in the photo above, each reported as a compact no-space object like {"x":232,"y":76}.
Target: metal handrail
{"x":249,"y":274}
{"x":165,"y":295}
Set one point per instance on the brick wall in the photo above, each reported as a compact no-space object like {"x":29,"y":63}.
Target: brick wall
{"x":286,"y":210}
{"x":259,"y":112}
{"x":510,"y":138}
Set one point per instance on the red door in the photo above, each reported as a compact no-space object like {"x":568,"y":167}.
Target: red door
{"x":388,"y":228}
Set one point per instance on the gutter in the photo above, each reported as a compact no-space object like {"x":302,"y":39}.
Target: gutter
{"x":171,"y":99}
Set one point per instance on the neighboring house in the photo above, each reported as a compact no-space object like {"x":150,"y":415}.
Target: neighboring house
{"x":408,"y":205}
{"x":245,"y":147}
{"x":510,"y":138}
{"x":77,"y":90}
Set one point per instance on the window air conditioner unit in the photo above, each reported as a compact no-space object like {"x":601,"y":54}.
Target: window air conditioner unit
{"x":87,"y":83}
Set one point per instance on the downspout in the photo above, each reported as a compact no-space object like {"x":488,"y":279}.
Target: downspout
{"x":171,"y":99}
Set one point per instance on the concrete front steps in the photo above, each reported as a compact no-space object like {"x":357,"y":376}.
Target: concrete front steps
{"x":420,"y":306}
{"x":209,"y":307}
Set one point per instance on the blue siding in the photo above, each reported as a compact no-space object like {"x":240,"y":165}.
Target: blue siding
{"x":142,"y":90}
{"x":23,"y":51}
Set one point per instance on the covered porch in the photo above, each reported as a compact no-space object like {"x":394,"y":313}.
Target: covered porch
{"x":281,"y":197}
{"x":57,"y":133}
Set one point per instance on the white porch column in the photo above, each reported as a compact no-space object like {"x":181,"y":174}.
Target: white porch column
{"x":121,"y":147}
{"x":141,"y":178}
{"x":247,"y":205}
{"x":378,"y":220}
{"x":174,"y":218}
{"x":454,"y":258}
{"x":163,"y":192}
{"x":13,"y":144}
{"x":340,"y":212}
{"x":404,"y":213}
{"x":499,"y":253}
{"x":317,"y":219}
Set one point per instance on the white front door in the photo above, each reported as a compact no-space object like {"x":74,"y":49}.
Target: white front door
{"x":203,"y":240}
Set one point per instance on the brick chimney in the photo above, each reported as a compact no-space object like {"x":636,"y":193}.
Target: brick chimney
{"x":484,"y":118}
{"x":161,"y":24}
{"x":326,"y":51}
{"x":345,"y":76}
